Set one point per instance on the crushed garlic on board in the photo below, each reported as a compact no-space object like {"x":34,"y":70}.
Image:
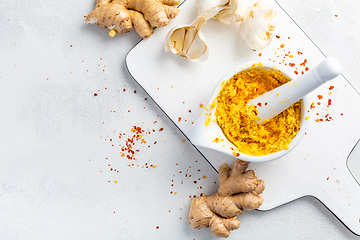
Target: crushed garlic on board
{"x":238,"y":120}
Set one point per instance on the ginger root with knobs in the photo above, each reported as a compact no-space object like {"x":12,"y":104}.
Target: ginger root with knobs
{"x":238,"y":191}
{"x":121,"y":16}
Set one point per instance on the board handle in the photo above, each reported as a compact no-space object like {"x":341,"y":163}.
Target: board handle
{"x":343,"y":198}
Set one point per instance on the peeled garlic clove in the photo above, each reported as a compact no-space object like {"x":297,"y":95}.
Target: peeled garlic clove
{"x":258,"y":24}
{"x":188,"y":41}
{"x":231,"y":14}
{"x":209,"y":8}
{"x":178,"y":38}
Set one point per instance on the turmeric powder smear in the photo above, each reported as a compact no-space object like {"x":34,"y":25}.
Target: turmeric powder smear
{"x":238,"y":120}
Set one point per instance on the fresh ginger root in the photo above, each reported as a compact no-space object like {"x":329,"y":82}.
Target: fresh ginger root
{"x":237,"y":192}
{"x":124,"y":15}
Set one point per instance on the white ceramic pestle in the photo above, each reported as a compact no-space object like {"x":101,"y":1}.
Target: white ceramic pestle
{"x":277,"y":100}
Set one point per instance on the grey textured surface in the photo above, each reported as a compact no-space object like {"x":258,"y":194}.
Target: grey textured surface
{"x":55,"y":148}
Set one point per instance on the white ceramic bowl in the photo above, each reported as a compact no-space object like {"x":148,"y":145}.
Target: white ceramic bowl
{"x":202,"y":135}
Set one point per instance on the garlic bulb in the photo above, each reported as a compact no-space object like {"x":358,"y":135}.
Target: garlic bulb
{"x":226,"y":11}
{"x":188,"y":41}
{"x":231,"y":14}
{"x":258,"y":24}
{"x":209,"y":8}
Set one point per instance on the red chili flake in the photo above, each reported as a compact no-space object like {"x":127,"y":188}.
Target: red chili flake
{"x":341,"y":114}
{"x":157,"y":227}
{"x":195,"y":182}
{"x":303,"y":63}
{"x":134,"y":91}
{"x":329,"y":102}
{"x":327,"y":178}
{"x":100,"y":58}
{"x":282,"y":45}
{"x":179,"y":119}
{"x":95,"y":94}
{"x":161,"y":129}
{"x":296,"y":72}
{"x":320,"y":96}
{"x":189,"y":111}
{"x":71,"y":46}
{"x":260,"y":54}
{"x":336,"y":15}
{"x":299,"y":53}
{"x":124,"y":90}
{"x":277,"y":36}
{"x":265,"y":103}
{"x":291,"y":64}
{"x":155,"y":142}
{"x":198,"y":170}
{"x":302,"y":72}
{"x":259,"y":104}
{"x":306,"y":69}
{"x":318,"y":103}
{"x":331,"y":87}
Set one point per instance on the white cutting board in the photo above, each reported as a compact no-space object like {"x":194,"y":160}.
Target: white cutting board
{"x":318,"y":165}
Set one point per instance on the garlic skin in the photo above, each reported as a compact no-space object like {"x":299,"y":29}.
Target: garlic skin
{"x":188,"y":41}
{"x":258,"y":24}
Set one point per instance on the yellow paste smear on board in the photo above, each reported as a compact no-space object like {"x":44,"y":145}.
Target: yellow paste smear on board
{"x":238,"y":120}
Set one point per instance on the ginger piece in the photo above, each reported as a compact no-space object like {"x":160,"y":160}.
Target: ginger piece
{"x":238,"y":191}
{"x":124,"y":15}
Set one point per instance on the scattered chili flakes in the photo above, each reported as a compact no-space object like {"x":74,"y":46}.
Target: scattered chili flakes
{"x":303,"y":63}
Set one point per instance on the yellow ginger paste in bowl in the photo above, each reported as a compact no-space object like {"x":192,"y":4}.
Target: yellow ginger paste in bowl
{"x":238,"y":120}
